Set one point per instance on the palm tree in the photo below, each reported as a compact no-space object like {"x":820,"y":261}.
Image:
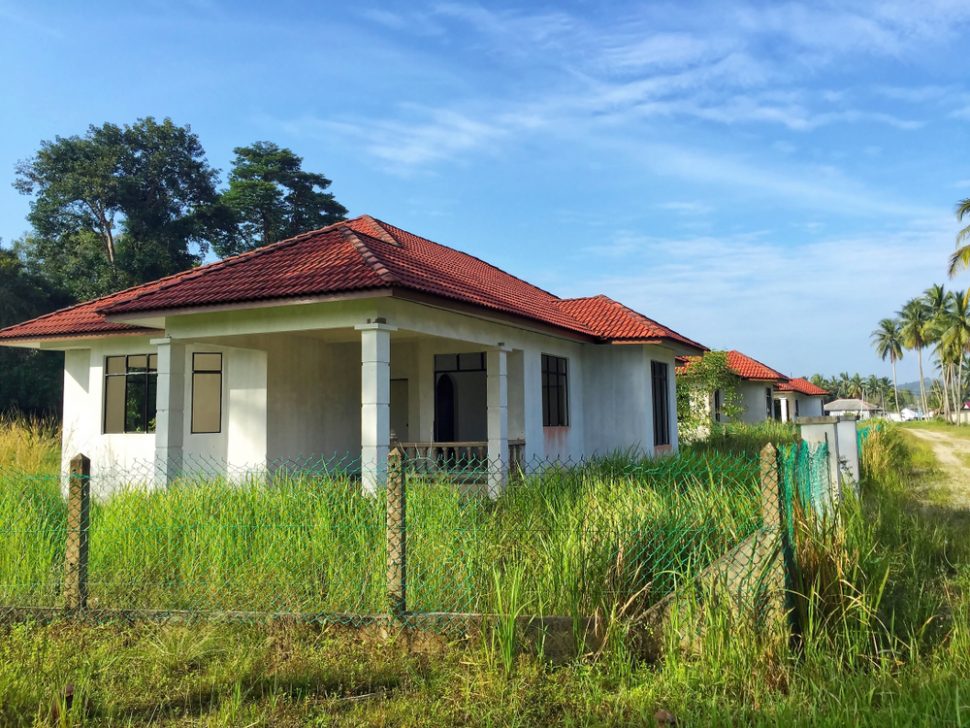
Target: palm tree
{"x":955,"y":341}
{"x":914,"y":320}
{"x":961,"y":257}
{"x":937,"y":300}
{"x":857,"y":387}
{"x":889,"y":344}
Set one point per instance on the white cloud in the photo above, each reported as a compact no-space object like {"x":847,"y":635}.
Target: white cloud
{"x":799,"y":308}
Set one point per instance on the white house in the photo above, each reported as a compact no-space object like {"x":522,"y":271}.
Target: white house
{"x":798,"y":397}
{"x":755,"y":389}
{"x":853,"y":407}
{"x":322,"y":345}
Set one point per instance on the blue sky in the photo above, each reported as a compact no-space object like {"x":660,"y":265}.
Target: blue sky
{"x":771,"y":177}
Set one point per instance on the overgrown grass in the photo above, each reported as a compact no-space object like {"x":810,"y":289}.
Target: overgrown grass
{"x":886,"y":638}
{"x":581,"y":538}
{"x":30,"y":444}
{"x":739,"y":437}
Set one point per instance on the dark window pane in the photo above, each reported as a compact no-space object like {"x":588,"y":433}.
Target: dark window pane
{"x":114,"y":403}
{"x":135,"y":402}
{"x":555,"y":392}
{"x":471,"y":362}
{"x":661,"y":407}
{"x":152,"y":402}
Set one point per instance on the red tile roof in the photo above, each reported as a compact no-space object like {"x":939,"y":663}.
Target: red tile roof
{"x":614,"y":321}
{"x":742,"y":365}
{"x":802,"y":386}
{"x":747,"y":368}
{"x":356,"y":255}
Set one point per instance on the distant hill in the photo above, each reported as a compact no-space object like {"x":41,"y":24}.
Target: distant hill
{"x":914,"y":386}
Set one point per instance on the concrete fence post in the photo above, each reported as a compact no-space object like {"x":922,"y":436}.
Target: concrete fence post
{"x":396,"y":533}
{"x":78,"y":524}
{"x":770,"y":487}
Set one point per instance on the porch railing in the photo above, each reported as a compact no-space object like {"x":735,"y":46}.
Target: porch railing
{"x":467,"y":455}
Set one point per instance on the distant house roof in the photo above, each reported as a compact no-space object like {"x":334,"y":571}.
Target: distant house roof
{"x":801,"y":386}
{"x":851,"y":405}
{"x":742,"y":365}
{"x":363,"y":254}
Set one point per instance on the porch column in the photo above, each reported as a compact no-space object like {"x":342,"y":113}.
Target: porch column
{"x":375,"y":403}
{"x":169,"y":409}
{"x":496,"y":365}
{"x":784,"y":410}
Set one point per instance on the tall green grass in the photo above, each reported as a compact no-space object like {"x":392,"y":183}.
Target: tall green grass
{"x":577,"y":538}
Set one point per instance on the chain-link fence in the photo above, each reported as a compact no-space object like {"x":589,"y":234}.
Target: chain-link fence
{"x":306,"y":539}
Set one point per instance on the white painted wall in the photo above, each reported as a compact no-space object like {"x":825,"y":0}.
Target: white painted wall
{"x":753,"y":401}
{"x":289,"y":394}
{"x":809,"y":406}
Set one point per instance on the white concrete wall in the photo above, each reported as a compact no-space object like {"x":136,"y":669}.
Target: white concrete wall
{"x":289,"y":394}
{"x":753,"y":402}
{"x":131,"y":457}
{"x":809,"y":406}
{"x":313,"y":400}
{"x":618,"y":399}
{"x":126,"y":456}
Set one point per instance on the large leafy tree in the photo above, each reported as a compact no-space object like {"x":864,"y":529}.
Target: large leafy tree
{"x":273,"y":197}
{"x":888,"y":342}
{"x":120,"y":205}
{"x":31,"y":380}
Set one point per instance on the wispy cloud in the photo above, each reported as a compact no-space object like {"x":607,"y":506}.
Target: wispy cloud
{"x":783,"y":300}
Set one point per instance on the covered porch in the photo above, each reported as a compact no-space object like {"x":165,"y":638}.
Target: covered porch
{"x":347,"y":395}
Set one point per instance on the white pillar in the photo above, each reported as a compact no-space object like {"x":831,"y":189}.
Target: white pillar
{"x":375,"y":403}
{"x":169,"y":410}
{"x":535,"y":450}
{"x":496,"y":365}
{"x":784,"y":410}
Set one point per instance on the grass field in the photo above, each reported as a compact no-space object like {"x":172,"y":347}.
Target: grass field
{"x":887,"y":641}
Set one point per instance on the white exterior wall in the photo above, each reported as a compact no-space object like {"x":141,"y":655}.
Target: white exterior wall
{"x":753,"y":402}
{"x":120,"y":458}
{"x":292,"y":384}
{"x":809,"y":406}
{"x":618,"y":403}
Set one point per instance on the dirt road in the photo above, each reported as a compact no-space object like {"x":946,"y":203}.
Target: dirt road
{"x":953,"y":454}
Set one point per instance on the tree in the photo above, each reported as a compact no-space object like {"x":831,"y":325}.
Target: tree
{"x":888,"y":342}
{"x":31,"y":380}
{"x":130,"y":203}
{"x":272,"y":197}
{"x":914,"y":320}
{"x":706,"y":388}
{"x":961,"y":257}
{"x":954,"y":337}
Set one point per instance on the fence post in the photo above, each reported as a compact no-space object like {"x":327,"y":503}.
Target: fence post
{"x":776,"y":497}
{"x":396,"y":533}
{"x":771,"y":487}
{"x":78,"y":523}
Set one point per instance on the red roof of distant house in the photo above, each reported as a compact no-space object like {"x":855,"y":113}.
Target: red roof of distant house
{"x":742,"y":365}
{"x":802,"y":386}
{"x":356,"y":255}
